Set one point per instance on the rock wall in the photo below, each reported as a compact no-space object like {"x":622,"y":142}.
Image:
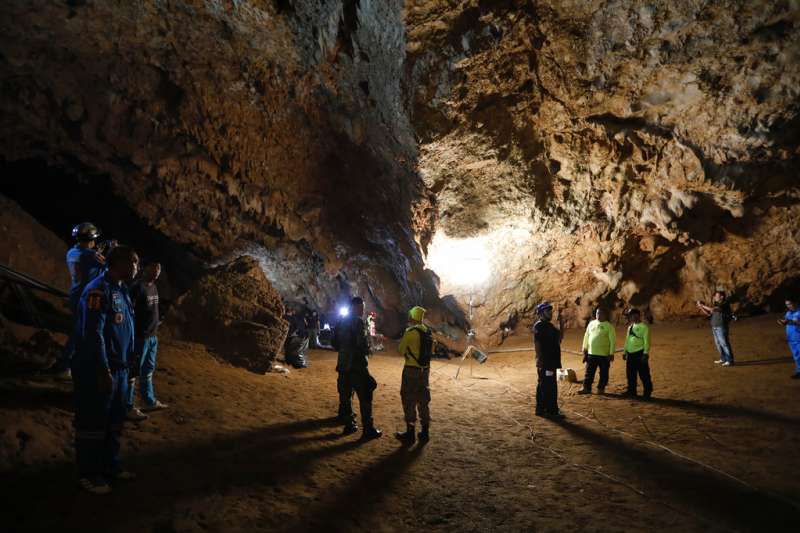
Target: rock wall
{"x":235,"y":311}
{"x":623,"y":152}
{"x":231,"y":124}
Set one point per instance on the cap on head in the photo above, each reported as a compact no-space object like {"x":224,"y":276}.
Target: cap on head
{"x":416,"y":313}
{"x":85,"y":232}
{"x":542,"y":307}
{"x":633,"y":311}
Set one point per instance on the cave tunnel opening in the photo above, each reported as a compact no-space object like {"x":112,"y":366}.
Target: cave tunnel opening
{"x":59,"y":197}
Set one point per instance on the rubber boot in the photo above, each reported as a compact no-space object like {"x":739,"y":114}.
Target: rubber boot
{"x":423,"y":435}
{"x":408,"y":437}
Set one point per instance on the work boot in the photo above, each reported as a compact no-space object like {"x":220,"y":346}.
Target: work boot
{"x":647,"y":396}
{"x":350,"y":428}
{"x":370,"y":433}
{"x":408,"y":436}
{"x":601,"y":390}
{"x":555,"y":416}
{"x":424,"y":436}
{"x":629,"y":394}
{"x":585,"y":391}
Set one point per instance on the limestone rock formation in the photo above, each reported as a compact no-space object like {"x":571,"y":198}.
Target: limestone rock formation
{"x":235,"y":311}
{"x":620,"y":152}
{"x":231,"y":126}
{"x":624,"y":152}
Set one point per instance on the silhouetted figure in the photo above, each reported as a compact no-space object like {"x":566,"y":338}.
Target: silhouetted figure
{"x":547,"y":345}
{"x":350,"y":340}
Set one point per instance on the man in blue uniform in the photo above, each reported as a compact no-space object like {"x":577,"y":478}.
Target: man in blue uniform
{"x":84,"y":263}
{"x":100,"y":372}
{"x":792,"y":322}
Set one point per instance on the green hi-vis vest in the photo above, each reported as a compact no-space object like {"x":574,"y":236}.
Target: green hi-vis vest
{"x":638,"y":338}
{"x":600,"y":338}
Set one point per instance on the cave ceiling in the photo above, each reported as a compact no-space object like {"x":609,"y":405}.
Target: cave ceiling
{"x":624,"y":152}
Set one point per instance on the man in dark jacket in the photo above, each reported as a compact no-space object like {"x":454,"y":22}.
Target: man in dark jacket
{"x":547,"y":344}
{"x":144,"y":295}
{"x":350,"y":340}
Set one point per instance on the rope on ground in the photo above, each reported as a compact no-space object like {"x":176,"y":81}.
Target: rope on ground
{"x":660,"y":446}
{"x":723,"y":473}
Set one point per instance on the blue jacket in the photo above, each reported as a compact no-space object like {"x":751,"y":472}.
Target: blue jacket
{"x":792,"y":330}
{"x":83,"y":266}
{"x":106,"y":325}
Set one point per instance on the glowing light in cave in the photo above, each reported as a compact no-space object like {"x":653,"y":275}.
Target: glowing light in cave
{"x":460,"y":263}
{"x":344,"y":311}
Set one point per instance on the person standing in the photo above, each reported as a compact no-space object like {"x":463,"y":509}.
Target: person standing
{"x":84,"y":263}
{"x":144,"y":295}
{"x":599,"y":341}
{"x":415,"y":392}
{"x":721,"y":316}
{"x":350,"y":340}
{"x":792,"y":322}
{"x":100,"y":372}
{"x":547,"y":345}
{"x":637,"y":355}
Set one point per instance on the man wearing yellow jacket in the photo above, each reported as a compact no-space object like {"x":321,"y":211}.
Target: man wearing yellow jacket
{"x":637,"y":350}
{"x":598,"y":351}
{"x":416,"y":346}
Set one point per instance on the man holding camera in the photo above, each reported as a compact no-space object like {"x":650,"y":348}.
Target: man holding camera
{"x":85,"y":261}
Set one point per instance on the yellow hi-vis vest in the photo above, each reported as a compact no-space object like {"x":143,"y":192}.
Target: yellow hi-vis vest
{"x":638,"y":338}
{"x":600,"y":338}
{"x":411,"y":345}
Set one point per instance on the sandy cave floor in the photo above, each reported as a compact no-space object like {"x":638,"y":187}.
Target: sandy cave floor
{"x":242,"y":452}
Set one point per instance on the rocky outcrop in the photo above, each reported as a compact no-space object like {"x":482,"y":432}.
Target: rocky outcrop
{"x":232,"y":125}
{"x":619,"y":152}
{"x":234,"y":310}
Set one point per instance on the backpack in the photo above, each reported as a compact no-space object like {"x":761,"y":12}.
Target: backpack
{"x":425,"y":346}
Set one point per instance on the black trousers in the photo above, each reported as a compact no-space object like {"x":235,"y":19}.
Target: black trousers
{"x":345,"y":397}
{"x":638,"y":366}
{"x":363,"y":384}
{"x":546,"y":393}
{"x":593,"y":362}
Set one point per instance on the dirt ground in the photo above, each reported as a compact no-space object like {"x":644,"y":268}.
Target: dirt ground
{"x":716,"y":449}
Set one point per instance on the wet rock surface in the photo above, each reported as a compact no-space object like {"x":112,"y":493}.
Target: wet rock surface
{"x":234,"y":310}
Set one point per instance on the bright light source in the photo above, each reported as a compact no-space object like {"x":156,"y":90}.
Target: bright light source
{"x":326,"y":327}
{"x":459,"y":262}
{"x":344,"y":311}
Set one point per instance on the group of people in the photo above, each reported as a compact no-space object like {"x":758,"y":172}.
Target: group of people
{"x":352,"y":342}
{"x":599,"y":347}
{"x":113,"y":342}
